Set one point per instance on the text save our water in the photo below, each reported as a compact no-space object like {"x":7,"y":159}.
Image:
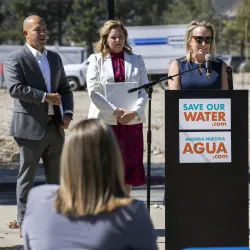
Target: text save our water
{"x":204,"y":114}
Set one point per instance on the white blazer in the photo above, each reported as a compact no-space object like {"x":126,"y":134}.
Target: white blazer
{"x":100,"y":71}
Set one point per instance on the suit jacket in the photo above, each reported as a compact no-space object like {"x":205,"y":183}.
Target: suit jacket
{"x":100,"y":71}
{"x":25,"y":83}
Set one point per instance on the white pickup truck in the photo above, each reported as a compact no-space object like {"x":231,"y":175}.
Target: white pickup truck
{"x":76,"y":74}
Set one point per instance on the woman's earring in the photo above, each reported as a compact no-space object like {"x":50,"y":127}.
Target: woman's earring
{"x":190,"y":54}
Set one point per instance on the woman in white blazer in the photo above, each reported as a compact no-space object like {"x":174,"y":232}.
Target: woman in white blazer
{"x":115,"y":62}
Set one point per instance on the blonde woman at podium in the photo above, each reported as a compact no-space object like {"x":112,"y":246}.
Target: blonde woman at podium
{"x":200,"y":50}
{"x":111,"y":72}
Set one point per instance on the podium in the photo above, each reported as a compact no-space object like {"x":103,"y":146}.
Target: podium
{"x":206,"y":147}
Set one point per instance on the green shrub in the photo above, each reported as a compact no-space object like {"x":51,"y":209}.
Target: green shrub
{"x":246,"y":67}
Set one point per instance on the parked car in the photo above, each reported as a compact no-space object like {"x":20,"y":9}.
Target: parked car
{"x":232,"y":61}
{"x":76,"y":74}
{"x":236,"y":61}
{"x":75,"y":65}
{"x":226,"y":58}
{"x":244,"y":66}
{"x":73,"y":59}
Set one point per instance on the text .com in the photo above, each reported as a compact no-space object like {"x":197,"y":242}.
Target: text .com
{"x":221,"y":156}
{"x":219,"y":124}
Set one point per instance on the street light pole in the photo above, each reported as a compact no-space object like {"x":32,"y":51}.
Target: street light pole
{"x":111,"y":9}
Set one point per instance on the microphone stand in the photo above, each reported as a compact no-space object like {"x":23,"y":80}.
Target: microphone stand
{"x":149,"y":89}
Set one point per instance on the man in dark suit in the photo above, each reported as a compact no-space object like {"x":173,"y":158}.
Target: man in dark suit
{"x":35,"y":78}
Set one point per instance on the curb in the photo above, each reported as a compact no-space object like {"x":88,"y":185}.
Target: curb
{"x":16,"y":247}
{"x":11,"y":185}
{"x":8,"y":177}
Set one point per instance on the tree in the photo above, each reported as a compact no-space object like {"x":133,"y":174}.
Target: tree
{"x":3,"y":8}
{"x":55,"y":13}
{"x":131,"y":13}
{"x":234,"y":32}
{"x":52,"y":11}
{"x":13,"y":13}
{"x":243,"y":25}
{"x":184,"y":11}
{"x":178,"y":12}
{"x":231,"y":35}
{"x":158,"y":9}
{"x":87,"y":16}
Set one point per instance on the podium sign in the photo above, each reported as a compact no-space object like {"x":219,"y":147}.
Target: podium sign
{"x":206,"y":168}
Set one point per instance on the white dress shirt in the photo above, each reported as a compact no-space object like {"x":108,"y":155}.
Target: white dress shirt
{"x":43,"y":63}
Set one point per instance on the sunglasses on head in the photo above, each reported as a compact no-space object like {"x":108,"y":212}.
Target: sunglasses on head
{"x":200,"y":39}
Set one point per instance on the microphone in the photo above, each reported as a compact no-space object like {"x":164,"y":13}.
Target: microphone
{"x":132,"y":90}
{"x":208,"y":64}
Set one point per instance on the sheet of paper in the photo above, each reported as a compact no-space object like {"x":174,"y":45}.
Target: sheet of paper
{"x":62,"y":112}
{"x":117,"y":94}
